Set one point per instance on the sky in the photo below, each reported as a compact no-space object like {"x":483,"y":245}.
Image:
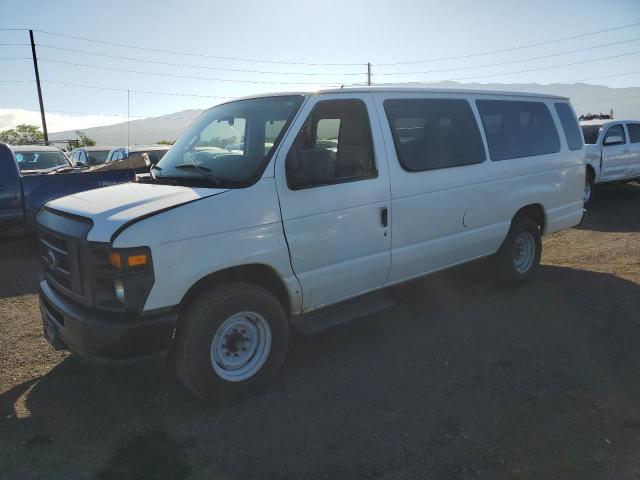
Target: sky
{"x":236,"y":49}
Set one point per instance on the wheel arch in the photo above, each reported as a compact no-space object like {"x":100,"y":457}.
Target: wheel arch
{"x":591,"y":171}
{"x":536,"y":212}
{"x":257,"y":274}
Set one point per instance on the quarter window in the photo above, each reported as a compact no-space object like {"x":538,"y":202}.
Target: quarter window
{"x":434,"y":133}
{"x":516,"y":129}
{"x":334,"y":146}
{"x":569,"y":126}
{"x":634,"y":132}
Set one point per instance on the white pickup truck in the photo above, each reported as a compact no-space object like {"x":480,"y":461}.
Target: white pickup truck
{"x":300,"y":209}
{"x":613,"y":152}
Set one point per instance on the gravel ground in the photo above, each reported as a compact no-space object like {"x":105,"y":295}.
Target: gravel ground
{"x":460,"y":380}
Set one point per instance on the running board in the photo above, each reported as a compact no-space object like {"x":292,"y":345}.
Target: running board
{"x":318,"y":320}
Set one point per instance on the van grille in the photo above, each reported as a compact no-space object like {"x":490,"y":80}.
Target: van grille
{"x":61,"y":263}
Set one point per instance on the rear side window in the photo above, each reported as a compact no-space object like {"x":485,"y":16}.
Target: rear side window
{"x":434,"y":133}
{"x":569,"y":126}
{"x":634,"y":132}
{"x":516,"y":129}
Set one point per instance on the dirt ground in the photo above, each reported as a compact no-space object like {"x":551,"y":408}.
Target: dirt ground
{"x":460,"y":380}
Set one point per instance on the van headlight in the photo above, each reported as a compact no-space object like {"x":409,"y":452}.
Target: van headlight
{"x":122,"y":278}
{"x":118,"y":289}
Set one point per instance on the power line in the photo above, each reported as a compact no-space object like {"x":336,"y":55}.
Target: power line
{"x":191,"y":54}
{"x":511,"y":49}
{"x":548,"y":67}
{"x":522,"y":60}
{"x":158,"y":62}
{"x":175,"y":75}
{"x":99,"y":87}
{"x":14,"y":44}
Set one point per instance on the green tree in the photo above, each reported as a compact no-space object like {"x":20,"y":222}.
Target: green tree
{"x":165,"y":142}
{"x":22,"y":135}
{"x":83,"y":140}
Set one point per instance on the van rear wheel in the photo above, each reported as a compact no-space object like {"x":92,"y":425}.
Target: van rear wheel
{"x":519,"y":256}
{"x":231,"y":341}
{"x":589,"y":188}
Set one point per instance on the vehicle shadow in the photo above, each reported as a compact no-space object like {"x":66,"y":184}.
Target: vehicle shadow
{"x":460,"y":379}
{"x":18,"y":263}
{"x":615,"y":208}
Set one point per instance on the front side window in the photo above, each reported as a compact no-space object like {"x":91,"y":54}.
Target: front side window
{"x":434,"y":133}
{"x":614,"y":136}
{"x":569,"y":126}
{"x":634,"y":132}
{"x":516,"y":129}
{"x":334,"y":146}
{"x":39,"y":161}
{"x":229,"y":145}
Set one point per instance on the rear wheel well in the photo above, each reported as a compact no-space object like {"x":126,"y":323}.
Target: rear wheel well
{"x":254,"y":274}
{"x":535,"y":212}
{"x":591,"y":171}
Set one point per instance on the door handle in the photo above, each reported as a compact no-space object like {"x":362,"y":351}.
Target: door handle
{"x":384,"y":216}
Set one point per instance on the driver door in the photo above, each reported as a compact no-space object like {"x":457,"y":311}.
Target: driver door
{"x":333,"y":185}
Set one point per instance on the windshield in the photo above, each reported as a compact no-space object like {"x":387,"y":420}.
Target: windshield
{"x":229,"y":145}
{"x":98,"y":157}
{"x":40,"y":160}
{"x":590,"y":133}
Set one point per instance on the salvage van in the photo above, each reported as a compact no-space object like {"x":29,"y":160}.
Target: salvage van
{"x":298,"y":210}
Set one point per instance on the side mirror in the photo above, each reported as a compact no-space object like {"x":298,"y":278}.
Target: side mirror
{"x":613,"y":140}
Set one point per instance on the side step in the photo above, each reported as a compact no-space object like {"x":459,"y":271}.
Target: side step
{"x":318,"y":320}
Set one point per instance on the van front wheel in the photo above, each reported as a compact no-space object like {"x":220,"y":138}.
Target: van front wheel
{"x":231,"y":341}
{"x":519,"y":256}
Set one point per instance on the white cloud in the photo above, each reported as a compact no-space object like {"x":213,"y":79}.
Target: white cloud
{"x":56,"y":122}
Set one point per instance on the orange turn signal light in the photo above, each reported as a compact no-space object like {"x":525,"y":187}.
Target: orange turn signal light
{"x":137,"y":260}
{"x":115,"y":260}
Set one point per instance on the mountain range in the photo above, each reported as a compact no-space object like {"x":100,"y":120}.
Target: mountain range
{"x":586,"y":98}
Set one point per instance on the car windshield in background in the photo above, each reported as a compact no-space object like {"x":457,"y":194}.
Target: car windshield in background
{"x":590,"y":133}
{"x":37,"y":161}
{"x":229,"y":145}
{"x":98,"y":157}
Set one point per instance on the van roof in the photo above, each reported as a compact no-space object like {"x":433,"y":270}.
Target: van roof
{"x":408,"y":89}
{"x":34,"y":148}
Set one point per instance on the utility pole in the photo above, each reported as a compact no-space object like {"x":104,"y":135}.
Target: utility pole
{"x":128,"y":136}
{"x":35,"y":67}
{"x":369,"y":73}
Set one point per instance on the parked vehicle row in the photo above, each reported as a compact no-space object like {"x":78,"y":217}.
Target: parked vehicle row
{"x":300,"y":209}
{"x":32,"y":175}
{"x":612,"y":152}
{"x":101,"y":155}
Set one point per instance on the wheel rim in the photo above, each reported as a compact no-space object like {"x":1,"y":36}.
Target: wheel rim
{"x":524,"y":252}
{"x":587,"y":192}
{"x":240,"y":346}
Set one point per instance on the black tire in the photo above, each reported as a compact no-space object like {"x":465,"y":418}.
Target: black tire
{"x":504,"y":261}
{"x":589,"y":183}
{"x":198,"y":326}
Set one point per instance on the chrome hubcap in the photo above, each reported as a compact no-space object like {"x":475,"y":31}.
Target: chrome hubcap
{"x":240,"y":346}
{"x":524,"y":252}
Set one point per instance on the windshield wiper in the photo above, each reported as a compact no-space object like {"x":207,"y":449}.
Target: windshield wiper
{"x":202,"y":170}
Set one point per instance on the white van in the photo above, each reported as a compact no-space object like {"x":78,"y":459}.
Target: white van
{"x":612,"y":151}
{"x":300,"y":209}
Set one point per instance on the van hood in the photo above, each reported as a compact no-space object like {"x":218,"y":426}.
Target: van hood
{"x":112,"y":207}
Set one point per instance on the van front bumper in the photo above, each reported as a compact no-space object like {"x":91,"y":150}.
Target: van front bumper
{"x":103,"y":337}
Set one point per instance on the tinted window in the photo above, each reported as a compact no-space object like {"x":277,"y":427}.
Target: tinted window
{"x":614,"y":136}
{"x":590,"y":133}
{"x":634,"y":132}
{"x":434,"y":133}
{"x":40,"y":160}
{"x":334,"y":146}
{"x":517,"y":129}
{"x":569,"y":126}
{"x":97,"y":157}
